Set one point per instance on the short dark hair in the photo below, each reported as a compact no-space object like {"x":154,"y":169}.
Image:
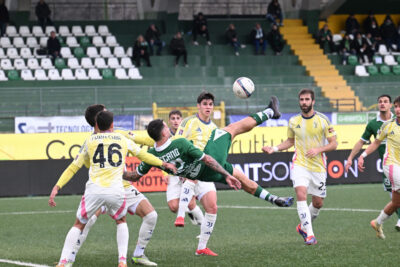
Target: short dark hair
{"x":397,"y":100}
{"x":155,"y":128}
{"x":384,"y":95}
{"x":205,"y":95}
{"x":91,"y":112}
{"x":104,"y":119}
{"x":175,"y":112}
{"x":307,"y":91}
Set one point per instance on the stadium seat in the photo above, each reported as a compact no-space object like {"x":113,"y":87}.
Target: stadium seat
{"x":3,"y":76}
{"x":113,"y":63}
{"x":73,"y":63}
{"x":59,"y":63}
{"x":66,"y":52}
{"x":94,"y":74}
{"x":5,"y":42}
{"x":352,"y":60}
{"x":80,"y":74}
{"x":12,"y":53}
{"x":50,"y":29}
{"x":18,"y":42}
{"x":383,"y":50}
{"x":11,"y":31}
{"x":98,"y":41}
{"x":100,"y":63}
{"x":111,"y":41}
{"x":121,"y":74}
{"x":377,"y":60}
{"x":372,"y":70}
{"x":26,"y":75}
{"x":33,"y":64}
{"x":37,"y":31}
{"x":67,"y":74}
{"x":105,"y":52}
{"x":24,"y":31}
{"x":361,"y":71}
{"x":63,"y":30}
{"x":54,"y":75}
{"x":78,"y":52}
{"x":134,"y":74}
{"x":389,"y":60}
{"x":5,"y":64}
{"x":46,"y":63}
{"x":396,"y":70}
{"x":119,"y":51}
{"x":87,"y":63}
{"x":19,"y":64}
{"x":85,"y":41}
{"x":90,"y":30}
{"x":2,"y":55}
{"x":77,"y":31}
{"x":40,"y":75}
{"x":103,"y":30}
{"x":336,"y":38}
{"x":26,"y":52}
{"x":92,"y":52}
{"x":13,"y":75}
{"x":385,"y":70}
{"x":126,"y":63}
{"x":61,"y":40}
{"x":129,"y":52}
{"x":43,"y":41}
{"x":72,"y":42}
{"x":32,"y":42}
{"x":107,"y":74}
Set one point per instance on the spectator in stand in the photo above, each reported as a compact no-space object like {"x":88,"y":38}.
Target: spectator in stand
{"x":389,"y":33}
{"x":368,"y":22}
{"x":360,"y":46}
{"x":274,"y":12}
{"x":325,"y":37}
{"x":152,"y":37}
{"x":140,"y":51}
{"x":43,"y":14}
{"x":200,"y":27}
{"x":178,"y":48}
{"x":372,"y":46}
{"x":231,"y":37}
{"x":352,"y":25}
{"x":374,"y":30}
{"x":53,"y":46}
{"x":346,"y":48}
{"x":258,"y":37}
{"x":4,"y":18}
{"x":275,"y":39}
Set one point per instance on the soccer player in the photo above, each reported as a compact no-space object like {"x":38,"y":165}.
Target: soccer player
{"x":384,"y":105}
{"x":175,"y":183}
{"x":390,"y":131}
{"x":210,"y":165}
{"x":308,"y":132}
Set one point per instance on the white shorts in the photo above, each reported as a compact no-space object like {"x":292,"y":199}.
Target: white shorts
{"x":175,"y":185}
{"x":314,"y":181}
{"x":133,"y":198}
{"x":393,"y":173}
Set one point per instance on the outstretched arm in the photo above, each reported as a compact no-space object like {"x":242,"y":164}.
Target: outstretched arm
{"x":357,"y":147}
{"x":371,"y":148}
{"x":213,"y":164}
{"x":131,"y":176}
{"x":288,"y":143}
{"x":64,"y":179}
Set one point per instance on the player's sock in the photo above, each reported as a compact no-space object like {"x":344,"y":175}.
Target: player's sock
{"x":206,"y":229}
{"x":382,"y":217}
{"x":82,"y":238}
{"x":264,"y":194}
{"x":145,"y":233}
{"x":187,"y":192}
{"x":262,"y":116}
{"x":314,"y":212}
{"x":70,"y":241}
{"x":198,"y":214}
{"x":305,"y":217}
{"x":122,"y":241}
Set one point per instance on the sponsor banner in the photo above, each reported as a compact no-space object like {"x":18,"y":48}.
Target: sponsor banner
{"x":355,"y":118}
{"x":152,"y":182}
{"x":282,"y":121}
{"x":65,"y":124}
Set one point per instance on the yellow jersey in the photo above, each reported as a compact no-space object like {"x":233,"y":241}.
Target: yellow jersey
{"x":308,"y":133}
{"x":196,"y":130}
{"x":138,"y":138}
{"x":391,"y":131}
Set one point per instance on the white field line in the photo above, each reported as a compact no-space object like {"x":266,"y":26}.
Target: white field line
{"x":20,"y":263}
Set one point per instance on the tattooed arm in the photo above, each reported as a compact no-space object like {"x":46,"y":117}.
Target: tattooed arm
{"x":213,"y":164}
{"x":131,"y":176}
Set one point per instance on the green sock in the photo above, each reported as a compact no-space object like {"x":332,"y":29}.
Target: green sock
{"x":398,"y":213}
{"x":262,"y":116}
{"x":264,"y":194}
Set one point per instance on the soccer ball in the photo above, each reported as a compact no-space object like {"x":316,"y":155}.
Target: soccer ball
{"x":243,"y":87}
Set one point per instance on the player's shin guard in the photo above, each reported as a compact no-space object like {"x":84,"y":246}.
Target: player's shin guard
{"x":70,"y":241}
{"x":122,"y":241}
{"x":264,"y":194}
{"x":206,"y":229}
{"x":187,"y":192}
{"x":198,"y":214}
{"x":82,"y":238}
{"x":305,"y":217}
{"x":145,"y":233}
{"x":314,"y":212}
{"x":262,"y":116}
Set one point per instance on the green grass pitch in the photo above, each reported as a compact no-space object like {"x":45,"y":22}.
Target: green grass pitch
{"x":248,"y":232}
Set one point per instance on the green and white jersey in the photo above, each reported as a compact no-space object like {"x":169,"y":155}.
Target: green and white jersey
{"x":186,"y":157}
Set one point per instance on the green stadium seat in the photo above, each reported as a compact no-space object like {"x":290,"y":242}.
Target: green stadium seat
{"x":398,"y":59}
{"x":13,"y":75}
{"x":85,"y":41}
{"x":59,"y":63}
{"x":372,"y":70}
{"x":61,"y":40}
{"x":377,"y":60}
{"x":385,"y":70}
{"x":352,"y":60}
{"x":396,"y":70}
{"x":78,"y":52}
{"x":107,"y":74}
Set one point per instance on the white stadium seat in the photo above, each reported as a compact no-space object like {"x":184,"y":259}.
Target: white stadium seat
{"x":336,"y":38}
{"x":126,"y":63}
{"x":43,"y":41}
{"x":80,"y":74}
{"x":103,"y":30}
{"x":11,"y":31}
{"x":24,"y":31}
{"x":33,"y":64}
{"x":5,"y":42}
{"x":98,"y":41}
{"x":129,"y":52}
{"x":77,"y":31}
{"x":111,"y":41}
{"x":389,"y":60}
{"x":100,"y":63}
{"x":94,"y":74}
{"x":92,"y":52}
{"x":361,"y":71}
{"x":18,"y":42}
{"x":90,"y":30}
{"x":66,"y":52}
{"x":12,"y":53}
{"x":113,"y":63}
{"x":87,"y":63}
{"x":5,"y":64}
{"x":26,"y":52}
{"x":37,"y":31}
{"x":134,"y":74}
{"x":46,"y":63}
{"x":73,"y":63}
{"x":105,"y":52}
{"x":19,"y":64}
{"x":383,"y":50}
{"x":3,"y":76}
{"x":54,"y":75}
{"x":26,"y":75}
{"x":40,"y":75}
{"x":32,"y":42}
{"x":72,"y":42}
{"x":119,"y":51}
{"x":2,"y":55}
{"x":50,"y":29}
{"x":64,"y":31}
{"x":121,"y":74}
{"x":67,"y":74}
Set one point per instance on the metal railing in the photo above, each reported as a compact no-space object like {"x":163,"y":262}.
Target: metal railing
{"x":343,"y":103}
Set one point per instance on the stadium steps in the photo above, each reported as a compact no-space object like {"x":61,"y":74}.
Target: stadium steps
{"x":319,"y":67}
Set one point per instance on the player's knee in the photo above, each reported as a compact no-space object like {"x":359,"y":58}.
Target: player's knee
{"x":212,"y":209}
{"x":318,"y":204}
{"x":173,"y":207}
{"x":151,"y":218}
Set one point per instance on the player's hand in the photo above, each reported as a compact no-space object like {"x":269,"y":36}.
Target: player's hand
{"x":53,"y":194}
{"x":170,"y":166}
{"x":233,"y":182}
{"x":348,"y":165}
{"x":312,"y":152}
{"x":268,"y":149}
{"x":361,"y":166}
